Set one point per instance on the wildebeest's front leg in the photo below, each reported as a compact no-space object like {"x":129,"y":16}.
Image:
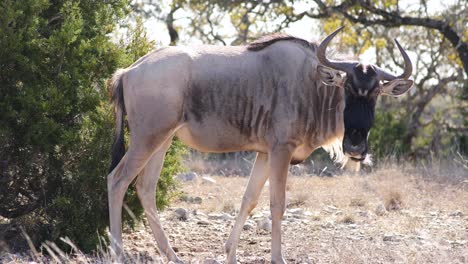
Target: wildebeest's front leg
{"x":257,"y":179}
{"x":278,"y":164}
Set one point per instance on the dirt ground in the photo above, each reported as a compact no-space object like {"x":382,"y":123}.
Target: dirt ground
{"x":388,"y":216}
{"x":392,"y":215}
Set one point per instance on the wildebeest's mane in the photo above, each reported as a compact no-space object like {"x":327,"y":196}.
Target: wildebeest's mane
{"x":270,"y":39}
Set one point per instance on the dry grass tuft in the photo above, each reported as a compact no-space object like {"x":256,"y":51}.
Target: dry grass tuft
{"x":315,"y":218}
{"x":347,"y":219}
{"x":298,"y":200}
{"x":358,"y":202}
{"x":228,"y":206}
{"x":393,"y":201}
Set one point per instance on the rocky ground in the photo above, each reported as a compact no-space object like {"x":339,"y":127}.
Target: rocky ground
{"x":383,"y":217}
{"x":388,"y":216}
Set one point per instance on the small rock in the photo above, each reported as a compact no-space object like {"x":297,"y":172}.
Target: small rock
{"x":456,"y":213}
{"x":307,"y":213}
{"x":208,"y":180}
{"x":423,"y":234}
{"x":458,"y":243}
{"x":196,"y":200}
{"x":181,"y":214}
{"x":390,"y":237}
{"x":264,"y":224}
{"x":444,"y":242}
{"x":405,"y":212}
{"x":210,"y":261}
{"x":298,"y":170}
{"x":296,"y":211}
{"x":257,"y":215}
{"x":223,"y":216}
{"x":328,"y":224}
{"x":248,"y":226}
{"x":227,"y":217}
{"x":203,"y":222}
{"x":363,"y":213}
{"x":330,"y":209}
{"x":214,"y":216}
{"x":189,"y":176}
{"x":380,"y":210}
{"x":198,"y":213}
{"x":190,"y":199}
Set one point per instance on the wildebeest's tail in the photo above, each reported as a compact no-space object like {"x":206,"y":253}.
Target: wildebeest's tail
{"x":117,"y":99}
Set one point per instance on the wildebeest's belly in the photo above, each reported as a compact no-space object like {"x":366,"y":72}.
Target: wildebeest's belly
{"x":217,"y":136}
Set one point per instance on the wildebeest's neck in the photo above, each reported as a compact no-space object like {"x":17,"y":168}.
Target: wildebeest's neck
{"x":329,"y":103}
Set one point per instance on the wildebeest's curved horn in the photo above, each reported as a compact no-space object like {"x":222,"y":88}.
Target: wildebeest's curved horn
{"x":345,"y":66}
{"x":386,"y":76}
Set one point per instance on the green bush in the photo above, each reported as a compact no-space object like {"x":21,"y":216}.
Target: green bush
{"x":386,"y":136}
{"x":56,"y":124}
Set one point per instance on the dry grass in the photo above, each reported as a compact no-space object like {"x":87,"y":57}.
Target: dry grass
{"x":298,"y":199}
{"x":347,"y":219}
{"x":358,"y":202}
{"x":418,"y":225}
{"x":393,"y":201}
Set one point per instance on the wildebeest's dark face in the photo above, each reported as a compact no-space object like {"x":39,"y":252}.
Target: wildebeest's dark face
{"x":362,"y":84}
{"x":362,"y":88}
{"x":361,"y":92}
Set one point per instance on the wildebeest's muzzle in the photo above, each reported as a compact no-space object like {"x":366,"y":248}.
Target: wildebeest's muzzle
{"x":355,"y":144}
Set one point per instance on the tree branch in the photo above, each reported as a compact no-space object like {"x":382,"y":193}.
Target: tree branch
{"x":396,"y":19}
{"x":414,"y":122}
{"x":173,"y":34}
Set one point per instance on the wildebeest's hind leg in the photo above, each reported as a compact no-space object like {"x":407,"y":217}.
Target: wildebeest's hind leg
{"x":139,"y":152}
{"x":146,"y":189}
{"x":257,"y":179}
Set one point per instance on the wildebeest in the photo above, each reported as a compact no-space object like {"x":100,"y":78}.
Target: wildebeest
{"x":279,"y":96}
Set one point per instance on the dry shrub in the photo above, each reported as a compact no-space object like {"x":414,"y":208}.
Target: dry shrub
{"x":315,"y":218}
{"x":358,"y":202}
{"x":347,"y":219}
{"x":228,"y":207}
{"x":298,"y":200}
{"x":393,"y":201}
{"x":219,"y":205}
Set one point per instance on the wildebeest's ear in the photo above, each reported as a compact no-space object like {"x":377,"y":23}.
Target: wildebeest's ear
{"x":396,"y":87}
{"x":328,"y":76}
